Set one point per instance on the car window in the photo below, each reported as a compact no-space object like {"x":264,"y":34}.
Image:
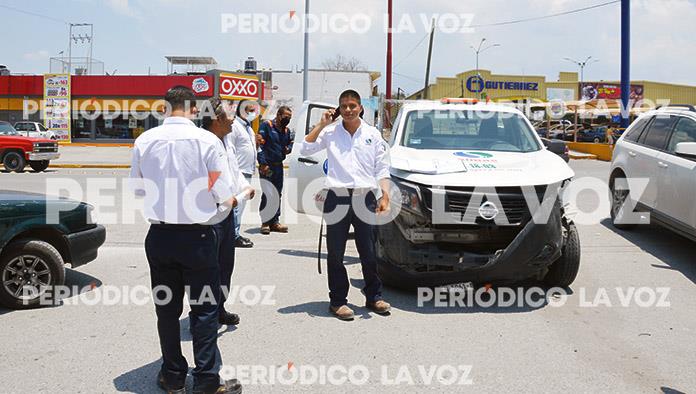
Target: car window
{"x":684,"y":131}
{"x":42,"y":127}
{"x":7,"y":129}
{"x":460,"y":130}
{"x":20,"y":126}
{"x":636,"y":129}
{"x":658,"y":132}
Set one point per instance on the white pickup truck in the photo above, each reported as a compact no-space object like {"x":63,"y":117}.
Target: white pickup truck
{"x":34,"y":130}
{"x":480,"y":197}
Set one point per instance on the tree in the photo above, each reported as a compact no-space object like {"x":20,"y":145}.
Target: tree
{"x":342,"y":63}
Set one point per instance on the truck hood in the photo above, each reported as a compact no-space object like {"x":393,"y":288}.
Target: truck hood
{"x":478,"y":168}
{"x":19,"y":138}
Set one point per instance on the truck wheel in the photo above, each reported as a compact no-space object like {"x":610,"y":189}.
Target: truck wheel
{"x":564,"y":270}
{"x":39,"y":166}
{"x":596,"y":140}
{"x":28,"y":269}
{"x":618,"y":200}
{"x":14,"y":161}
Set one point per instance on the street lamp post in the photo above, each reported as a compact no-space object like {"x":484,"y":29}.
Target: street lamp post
{"x":478,"y":51}
{"x":582,"y":65}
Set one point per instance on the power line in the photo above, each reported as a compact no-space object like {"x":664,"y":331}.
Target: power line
{"x":412,"y":50}
{"x":34,"y":14}
{"x":536,"y":18}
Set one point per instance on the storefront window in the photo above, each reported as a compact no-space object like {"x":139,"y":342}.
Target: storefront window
{"x":121,"y":127}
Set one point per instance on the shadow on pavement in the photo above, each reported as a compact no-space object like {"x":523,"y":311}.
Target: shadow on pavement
{"x":76,"y":283}
{"x":185,"y":329}
{"x":142,"y":380}
{"x":674,"y":251}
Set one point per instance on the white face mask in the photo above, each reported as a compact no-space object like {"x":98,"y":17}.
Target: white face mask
{"x":251,"y":116}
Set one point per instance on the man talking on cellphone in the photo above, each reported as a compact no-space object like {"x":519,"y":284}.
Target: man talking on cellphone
{"x":358,"y":164}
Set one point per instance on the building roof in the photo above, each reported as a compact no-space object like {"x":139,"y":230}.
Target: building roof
{"x":191,"y":60}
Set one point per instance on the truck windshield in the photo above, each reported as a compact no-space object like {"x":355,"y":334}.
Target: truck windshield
{"x":461,"y":130}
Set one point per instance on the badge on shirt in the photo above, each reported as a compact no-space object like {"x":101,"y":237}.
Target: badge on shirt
{"x":368,"y":141}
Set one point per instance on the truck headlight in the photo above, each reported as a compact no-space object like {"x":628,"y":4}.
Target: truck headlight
{"x":409,"y":197}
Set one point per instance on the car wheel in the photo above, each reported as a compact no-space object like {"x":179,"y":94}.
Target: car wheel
{"x":618,"y":199}
{"x":596,"y":140}
{"x":39,"y":166}
{"x":14,"y":161}
{"x":563,"y":271}
{"x":28,"y":269}
{"x":53,"y":137}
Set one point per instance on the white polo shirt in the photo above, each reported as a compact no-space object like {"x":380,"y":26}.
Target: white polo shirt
{"x":357,"y":161}
{"x":182,"y":171}
{"x":242,"y":141}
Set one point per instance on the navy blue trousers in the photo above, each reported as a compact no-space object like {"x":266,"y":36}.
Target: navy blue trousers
{"x":225,"y":232}
{"x":185,"y":258}
{"x":336,"y":238}
{"x":276,"y":179}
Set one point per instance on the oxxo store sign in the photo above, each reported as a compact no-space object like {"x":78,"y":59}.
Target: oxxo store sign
{"x":239,"y":87}
{"x":476,"y":84}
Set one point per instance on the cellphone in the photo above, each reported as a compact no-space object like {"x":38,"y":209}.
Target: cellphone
{"x":336,"y":113}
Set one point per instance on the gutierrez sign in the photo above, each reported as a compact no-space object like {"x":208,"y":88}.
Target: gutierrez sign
{"x":476,"y":84}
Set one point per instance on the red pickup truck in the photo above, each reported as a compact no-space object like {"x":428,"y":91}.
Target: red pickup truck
{"x":17,"y":151}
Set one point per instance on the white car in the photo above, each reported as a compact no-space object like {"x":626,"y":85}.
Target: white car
{"x":462,"y":171}
{"x":660,"y":148}
{"x":34,"y":130}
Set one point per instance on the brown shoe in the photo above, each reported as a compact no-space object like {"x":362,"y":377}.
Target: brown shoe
{"x":265,"y":229}
{"x":380,"y":307}
{"x":279,"y":228}
{"x":342,"y":312}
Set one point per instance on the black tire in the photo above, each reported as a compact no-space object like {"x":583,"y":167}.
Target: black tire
{"x":43,"y":264}
{"x":563,"y":271}
{"x":39,"y":166}
{"x":14,"y":161}
{"x":618,"y":198}
{"x":597,"y":140}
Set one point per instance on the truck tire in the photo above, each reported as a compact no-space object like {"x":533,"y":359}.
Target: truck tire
{"x":27,"y":269}
{"x":14,"y":161}
{"x":39,"y":166}
{"x":618,"y":199}
{"x":563,"y":271}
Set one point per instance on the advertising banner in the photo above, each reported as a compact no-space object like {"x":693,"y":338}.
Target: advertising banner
{"x":57,"y":105}
{"x":239,"y":87}
{"x":608,"y":91}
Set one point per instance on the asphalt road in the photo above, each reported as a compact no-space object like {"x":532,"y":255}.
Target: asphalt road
{"x":585,"y":345}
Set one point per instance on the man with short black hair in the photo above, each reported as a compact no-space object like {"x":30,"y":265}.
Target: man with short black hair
{"x":187,"y":168}
{"x":276,"y":144}
{"x":358,"y":164}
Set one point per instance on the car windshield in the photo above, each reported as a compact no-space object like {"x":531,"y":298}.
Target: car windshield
{"x":455,"y":130}
{"x":7,"y":129}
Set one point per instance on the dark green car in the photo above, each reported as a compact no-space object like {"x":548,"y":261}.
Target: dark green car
{"x":38,"y":236}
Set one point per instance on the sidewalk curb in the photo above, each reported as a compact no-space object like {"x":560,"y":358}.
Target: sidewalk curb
{"x":102,"y":166}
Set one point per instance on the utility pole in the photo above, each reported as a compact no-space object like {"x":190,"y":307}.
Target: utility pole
{"x":625,"y":61}
{"x":582,"y":66}
{"x":430,"y":56}
{"x":305,"y":72}
{"x":478,"y":51}
{"x":390,"y":11}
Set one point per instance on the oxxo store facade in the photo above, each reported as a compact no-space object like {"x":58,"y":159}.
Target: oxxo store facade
{"x":499,"y":87}
{"x":115,"y":109}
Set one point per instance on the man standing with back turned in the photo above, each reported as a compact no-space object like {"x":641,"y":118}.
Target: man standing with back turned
{"x":358,"y":162}
{"x":183,"y":173}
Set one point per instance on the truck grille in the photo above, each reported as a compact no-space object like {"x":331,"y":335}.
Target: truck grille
{"x":457,"y":201}
{"x":46,"y":147}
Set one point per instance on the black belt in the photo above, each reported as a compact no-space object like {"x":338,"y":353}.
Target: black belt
{"x":173,"y":226}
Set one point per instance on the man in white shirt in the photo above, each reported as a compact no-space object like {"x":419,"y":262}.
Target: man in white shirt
{"x":358,"y":162}
{"x":183,"y":173}
{"x":242,"y":142}
{"x":217,"y":119}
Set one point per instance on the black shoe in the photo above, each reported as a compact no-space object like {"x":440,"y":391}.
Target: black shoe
{"x":228,"y":318}
{"x":230,"y":387}
{"x":243,"y":242}
{"x":162,"y":384}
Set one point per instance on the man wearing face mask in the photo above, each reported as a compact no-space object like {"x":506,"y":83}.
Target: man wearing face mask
{"x":276,"y":144}
{"x":242,"y":141}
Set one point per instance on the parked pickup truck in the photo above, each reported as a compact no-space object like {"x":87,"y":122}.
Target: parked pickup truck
{"x":16,"y":151}
{"x":35,"y":130}
{"x":35,"y":245}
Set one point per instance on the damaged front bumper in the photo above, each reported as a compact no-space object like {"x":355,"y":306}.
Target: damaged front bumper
{"x":416,"y":257}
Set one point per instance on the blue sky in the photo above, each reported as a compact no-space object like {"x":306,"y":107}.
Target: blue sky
{"x":132,"y":36}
